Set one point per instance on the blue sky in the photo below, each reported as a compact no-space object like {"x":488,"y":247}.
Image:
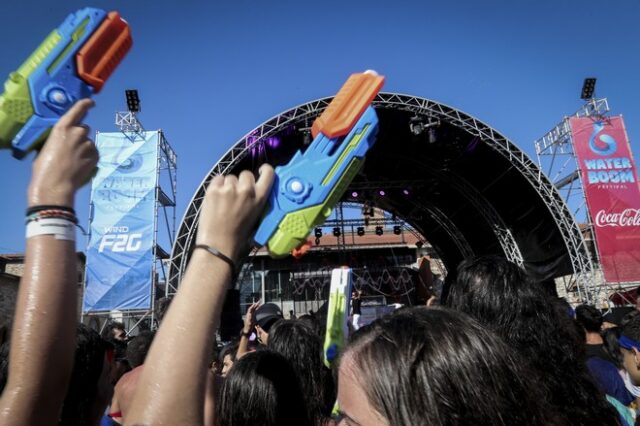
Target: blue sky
{"x":210,"y":71}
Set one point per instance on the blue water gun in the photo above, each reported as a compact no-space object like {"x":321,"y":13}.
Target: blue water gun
{"x":309,"y":186}
{"x":72,"y":63}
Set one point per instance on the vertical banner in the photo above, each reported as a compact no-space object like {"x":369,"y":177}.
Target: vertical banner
{"x":123,"y":196}
{"x":610,"y":181}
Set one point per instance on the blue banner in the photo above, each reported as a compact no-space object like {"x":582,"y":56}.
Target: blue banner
{"x":120,"y":252}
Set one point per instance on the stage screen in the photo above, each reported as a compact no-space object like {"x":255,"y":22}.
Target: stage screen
{"x":610,"y":180}
{"x":120,"y":250}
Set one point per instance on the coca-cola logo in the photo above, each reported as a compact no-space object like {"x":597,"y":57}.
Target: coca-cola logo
{"x":628,"y":217}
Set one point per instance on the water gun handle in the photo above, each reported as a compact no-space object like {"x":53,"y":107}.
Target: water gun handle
{"x":72,"y":63}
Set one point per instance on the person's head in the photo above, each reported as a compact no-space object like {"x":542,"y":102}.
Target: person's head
{"x":161,"y":307}
{"x":266,"y":316}
{"x":630,"y":347}
{"x":120,"y":364}
{"x":227,"y":357}
{"x":589,"y":318}
{"x":261,"y":388}
{"x":610,"y":344}
{"x":433,"y":366}
{"x":299,"y":343}
{"x":114,"y":331}
{"x":500,"y":296}
{"x":90,"y":389}
{"x":138,"y":348}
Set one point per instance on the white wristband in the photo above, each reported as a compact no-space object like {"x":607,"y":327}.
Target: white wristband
{"x":61,"y":229}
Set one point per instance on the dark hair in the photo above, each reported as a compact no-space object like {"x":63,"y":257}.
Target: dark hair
{"x":632,"y":328}
{"x":439,"y":367}
{"x":302,"y":347}
{"x":138,"y":348}
{"x":107,"y":332}
{"x":261,"y":388}
{"x":589,"y":318}
{"x":4,"y":364}
{"x":611,"y":346}
{"x":230,"y":349}
{"x":629,"y":316}
{"x":83,"y":386}
{"x":499,"y":295}
{"x":161,"y":307}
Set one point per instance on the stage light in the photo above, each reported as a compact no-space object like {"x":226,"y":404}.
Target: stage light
{"x":405,"y":191}
{"x":397,"y":230}
{"x":273,"y":142}
{"x":133,"y":101}
{"x":419,"y":244}
{"x":416,"y":125}
{"x":382,"y":193}
{"x":588,"y":88}
{"x":306,"y":137}
{"x":317,"y":241}
{"x":360,"y":231}
{"x":336,"y":231}
{"x":354,"y":194}
{"x":379,"y":230}
{"x":318,"y":232}
{"x":431,"y":134}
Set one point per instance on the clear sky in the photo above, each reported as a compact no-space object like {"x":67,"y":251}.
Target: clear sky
{"x":208,"y":72}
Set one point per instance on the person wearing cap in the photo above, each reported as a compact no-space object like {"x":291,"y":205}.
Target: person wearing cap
{"x":259,"y":319}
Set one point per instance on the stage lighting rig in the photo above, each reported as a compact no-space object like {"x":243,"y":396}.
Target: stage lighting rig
{"x":588,"y":88}
{"x":318,"y":232}
{"x":360,"y":231}
{"x":418,"y":125}
{"x":397,"y":230}
{"x":133,"y":100}
{"x":379,"y":231}
{"x":337,"y":232}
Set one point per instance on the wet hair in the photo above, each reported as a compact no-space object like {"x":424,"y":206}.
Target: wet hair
{"x":590,"y":318}
{"x":138,"y":348}
{"x":436,"y":366}
{"x":500,"y":296}
{"x":302,"y":347}
{"x":87,"y":367}
{"x":261,"y":388}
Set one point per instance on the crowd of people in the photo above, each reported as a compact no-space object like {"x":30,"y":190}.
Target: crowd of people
{"x":495,"y":349}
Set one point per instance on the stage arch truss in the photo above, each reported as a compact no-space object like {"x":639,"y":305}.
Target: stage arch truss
{"x":471,"y":190}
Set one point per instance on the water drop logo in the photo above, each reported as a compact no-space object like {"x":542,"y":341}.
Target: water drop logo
{"x":602,"y":144}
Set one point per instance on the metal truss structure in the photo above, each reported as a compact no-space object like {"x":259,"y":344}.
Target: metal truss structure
{"x":306,"y":113}
{"x":556,"y":156}
{"x":128,"y":123}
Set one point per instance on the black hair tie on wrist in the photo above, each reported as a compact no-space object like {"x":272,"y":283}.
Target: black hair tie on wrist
{"x":219,"y":255}
{"x":36,"y":209}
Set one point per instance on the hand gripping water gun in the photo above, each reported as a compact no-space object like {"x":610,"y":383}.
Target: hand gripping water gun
{"x":72,"y":63}
{"x":337,"y":314}
{"x":306,"y":189}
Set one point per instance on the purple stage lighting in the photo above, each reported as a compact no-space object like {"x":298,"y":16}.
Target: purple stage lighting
{"x":354,"y":194}
{"x":405,"y":191}
{"x":382,"y":193}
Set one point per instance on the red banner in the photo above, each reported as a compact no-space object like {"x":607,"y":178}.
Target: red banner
{"x":610,"y":181}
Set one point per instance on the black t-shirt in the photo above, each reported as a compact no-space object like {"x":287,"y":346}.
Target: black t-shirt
{"x":355,"y":306}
